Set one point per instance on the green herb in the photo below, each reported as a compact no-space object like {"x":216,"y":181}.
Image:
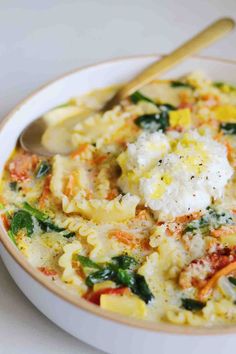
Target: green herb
{"x":2,"y":206}
{"x":22,"y":220}
{"x":176,"y":84}
{"x":125,"y":262}
{"x":121,"y":271}
{"x":138,"y":96}
{"x":228,"y":128}
{"x":100,"y":276}
{"x":153,"y":122}
{"x":192,"y":305}
{"x":12,"y":236}
{"x":221,"y":85}
{"x":232,"y":280}
{"x":44,"y":221}
{"x":86,"y":262}
{"x":213,"y":219}
{"x":44,"y":169}
{"x":13,"y":186}
{"x":35,"y":212}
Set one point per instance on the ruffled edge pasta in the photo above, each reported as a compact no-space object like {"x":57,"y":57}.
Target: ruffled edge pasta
{"x":119,"y":209}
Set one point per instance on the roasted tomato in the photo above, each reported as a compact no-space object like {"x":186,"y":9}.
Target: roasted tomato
{"x":94,"y":296}
{"x":199,"y":271}
{"x":22,"y":166}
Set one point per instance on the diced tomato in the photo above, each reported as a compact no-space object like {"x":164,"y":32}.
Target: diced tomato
{"x":200,"y":270}
{"x":208,"y":288}
{"x":21,"y":167}
{"x":47,"y":271}
{"x":94,"y":296}
{"x":5,"y":221}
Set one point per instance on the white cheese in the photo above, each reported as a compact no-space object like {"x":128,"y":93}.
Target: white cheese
{"x":175,"y":174}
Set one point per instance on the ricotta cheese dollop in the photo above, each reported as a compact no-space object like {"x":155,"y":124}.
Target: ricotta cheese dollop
{"x":175,"y":173}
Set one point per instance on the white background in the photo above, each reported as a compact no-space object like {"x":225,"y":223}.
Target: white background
{"x":40,"y":40}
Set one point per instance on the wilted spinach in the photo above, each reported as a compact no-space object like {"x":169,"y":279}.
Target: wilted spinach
{"x":228,"y":128}
{"x":22,"y":220}
{"x":192,"y":305}
{"x":43,"y":169}
{"x":121,"y":271}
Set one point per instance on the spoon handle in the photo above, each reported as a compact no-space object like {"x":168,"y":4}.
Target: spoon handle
{"x":203,"y":39}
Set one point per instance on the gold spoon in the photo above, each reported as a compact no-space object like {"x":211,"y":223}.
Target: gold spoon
{"x":30,"y":138}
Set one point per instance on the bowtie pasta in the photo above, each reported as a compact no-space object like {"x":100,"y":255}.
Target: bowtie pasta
{"x":137,"y":212}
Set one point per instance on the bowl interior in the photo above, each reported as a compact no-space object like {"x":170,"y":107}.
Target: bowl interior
{"x":78,"y":83}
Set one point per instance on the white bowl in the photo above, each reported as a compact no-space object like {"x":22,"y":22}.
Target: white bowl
{"x":104,"y":330}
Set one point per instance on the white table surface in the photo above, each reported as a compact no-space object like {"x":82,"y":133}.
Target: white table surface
{"x":40,"y":40}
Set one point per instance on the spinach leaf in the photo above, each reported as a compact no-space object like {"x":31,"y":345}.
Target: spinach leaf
{"x":157,"y":121}
{"x":125,"y":262}
{"x":68,"y":234}
{"x":35,"y":212}
{"x":153,"y":122}
{"x":221,"y":85}
{"x":232,"y":280}
{"x":87,"y":263}
{"x":213,"y":219}
{"x":122,"y":273}
{"x":135,"y":282}
{"x":166,"y":107}
{"x":22,"y":220}
{"x":228,"y":128}
{"x":192,"y":305}
{"x":44,"y":221}
{"x":176,"y":84}
{"x":100,"y":276}
{"x":48,"y":226}
{"x":138,"y":96}
{"x":141,"y":288}
{"x":125,"y":278}
{"x":13,"y":186}
{"x":44,"y":169}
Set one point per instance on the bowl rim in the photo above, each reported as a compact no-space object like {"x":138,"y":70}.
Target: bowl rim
{"x":78,"y":302}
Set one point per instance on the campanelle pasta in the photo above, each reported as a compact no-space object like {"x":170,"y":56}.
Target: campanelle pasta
{"x":137,"y":212}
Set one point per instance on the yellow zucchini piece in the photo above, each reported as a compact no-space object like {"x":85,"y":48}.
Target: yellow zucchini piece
{"x":104,"y":285}
{"x":125,"y":305}
{"x":226,"y":113}
{"x":180,"y":118}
